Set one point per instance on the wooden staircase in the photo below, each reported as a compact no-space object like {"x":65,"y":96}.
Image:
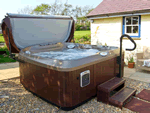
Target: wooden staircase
{"x":114,"y":93}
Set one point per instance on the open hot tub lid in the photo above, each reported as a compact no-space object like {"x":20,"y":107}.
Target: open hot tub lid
{"x":28,"y":30}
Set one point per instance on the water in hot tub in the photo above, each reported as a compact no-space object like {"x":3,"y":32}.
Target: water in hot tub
{"x":69,"y":54}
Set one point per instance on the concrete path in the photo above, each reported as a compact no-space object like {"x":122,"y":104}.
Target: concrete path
{"x":11,"y":70}
{"x":137,"y":75}
{"x":129,"y":71}
{"x":141,"y":76}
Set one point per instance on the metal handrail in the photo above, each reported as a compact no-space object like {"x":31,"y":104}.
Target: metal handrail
{"x":120,"y":63}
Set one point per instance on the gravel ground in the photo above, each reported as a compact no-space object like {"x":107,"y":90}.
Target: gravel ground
{"x":14,"y":98}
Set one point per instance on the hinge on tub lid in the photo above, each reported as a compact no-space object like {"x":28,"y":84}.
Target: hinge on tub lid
{"x":10,"y":54}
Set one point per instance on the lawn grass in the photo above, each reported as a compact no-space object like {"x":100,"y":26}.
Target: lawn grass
{"x":5,"y":58}
{"x":1,"y":39}
{"x":79,"y":34}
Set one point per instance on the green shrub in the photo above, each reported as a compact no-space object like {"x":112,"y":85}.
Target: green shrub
{"x":88,"y":28}
{"x":82,"y":39}
{"x":79,"y":27}
{"x":5,"y":57}
{"x":85,"y":38}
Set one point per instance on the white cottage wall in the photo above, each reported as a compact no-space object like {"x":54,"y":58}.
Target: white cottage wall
{"x":106,"y":30}
{"x":109,"y":31}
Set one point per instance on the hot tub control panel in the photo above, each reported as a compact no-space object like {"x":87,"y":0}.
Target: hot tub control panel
{"x":85,"y":78}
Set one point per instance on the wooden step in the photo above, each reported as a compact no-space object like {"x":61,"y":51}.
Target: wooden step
{"x":111,"y":84}
{"x":104,"y":90}
{"x":121,"y":97}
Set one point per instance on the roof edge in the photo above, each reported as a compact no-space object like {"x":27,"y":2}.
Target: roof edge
{"x":120,"y":13}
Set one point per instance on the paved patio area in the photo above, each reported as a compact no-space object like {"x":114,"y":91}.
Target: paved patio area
{"x":11,"y":70}
{"x":137,"y":75}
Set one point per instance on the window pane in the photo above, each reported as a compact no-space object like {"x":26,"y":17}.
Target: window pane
{"x":135,"y":20}
{"x":129,"y":29}
{"x":135,"y":29}
{"x":128,"y":21}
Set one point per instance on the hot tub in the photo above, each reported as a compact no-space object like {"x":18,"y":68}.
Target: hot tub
{"x":63,"y":73}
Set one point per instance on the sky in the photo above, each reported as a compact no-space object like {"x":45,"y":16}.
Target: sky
{"x":12,"y":6}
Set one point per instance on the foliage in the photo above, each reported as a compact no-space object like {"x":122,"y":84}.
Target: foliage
{"x":82,"y":33}
{"x":5,"y":57}
{"x":53,"y":9}
{"x":82,"y":36}
{"x":79,"y":27}
{"x":4,"y":48}
{"x":67,"y":9}
{"x":42,"y":9}
{"x":83,"y":21}
{"x":88,"y":28}
{"x":130,"y":59}
{"x":1,"y":39}
{"x":86,"y":37}
{"x":79,"y":11}
{"x":57,"y":8}
{"x":25,"y":10}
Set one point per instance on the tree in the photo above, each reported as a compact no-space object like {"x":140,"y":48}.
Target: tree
{"x":25,"y":10}
{"x":86,"y":10}
{"x":77,"y":12}
{"x":67,"y":9}
{"x":58,"y":8}
{"x":89,"y":11}
{"x":42,"y":9}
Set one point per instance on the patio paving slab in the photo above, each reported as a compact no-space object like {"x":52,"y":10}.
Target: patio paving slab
{"x":129,"y":71}
{"x":9,"y":70}
{"x":141,"y":76}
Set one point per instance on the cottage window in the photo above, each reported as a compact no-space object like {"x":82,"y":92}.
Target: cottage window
{"x":131,"y":26}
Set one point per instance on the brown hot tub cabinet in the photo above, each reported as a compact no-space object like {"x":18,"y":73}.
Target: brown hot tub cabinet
{"x":63,"y":73}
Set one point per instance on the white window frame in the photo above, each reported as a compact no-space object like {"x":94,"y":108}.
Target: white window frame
{"x":132,"y":34}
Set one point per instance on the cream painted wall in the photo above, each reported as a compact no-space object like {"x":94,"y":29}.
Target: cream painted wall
{"x":145,"y":30}
{"x":110,"y":31}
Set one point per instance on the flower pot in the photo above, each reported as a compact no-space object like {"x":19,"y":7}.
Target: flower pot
{"x":131,"y":65}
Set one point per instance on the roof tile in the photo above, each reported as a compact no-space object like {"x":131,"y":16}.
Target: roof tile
{"x":118,"y":6}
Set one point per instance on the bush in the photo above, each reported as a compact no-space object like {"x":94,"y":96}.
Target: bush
{"x":87,"y":37}
{"x":5,"y":57}
{"x":83,"y":39}
{"x":81,"y":27}
{"x":77,"y":27}
{"x":88,"y":28}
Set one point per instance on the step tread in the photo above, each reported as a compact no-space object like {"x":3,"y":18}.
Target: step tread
{"x":123,"y":94}
{"x":111,"y":84}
